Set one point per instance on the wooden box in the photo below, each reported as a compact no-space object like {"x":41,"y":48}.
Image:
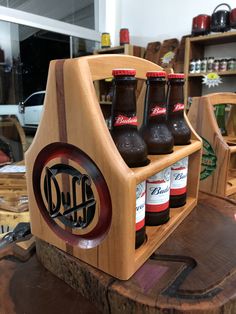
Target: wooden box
{"x":218,"y":174}
{"x":82,"y":195}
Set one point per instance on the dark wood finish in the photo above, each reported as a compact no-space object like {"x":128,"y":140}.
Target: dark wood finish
{"x":167,"y":46}
{"x":152,"y":52}
{"x":28,"y":288}
{"x":193,"y":271}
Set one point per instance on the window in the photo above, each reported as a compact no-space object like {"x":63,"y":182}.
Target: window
{"x":35,"y":100}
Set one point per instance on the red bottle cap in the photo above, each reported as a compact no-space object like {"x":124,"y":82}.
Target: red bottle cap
{"x":123,"y":72}
{"x":176,"y":75}
{"x":156,"y":74}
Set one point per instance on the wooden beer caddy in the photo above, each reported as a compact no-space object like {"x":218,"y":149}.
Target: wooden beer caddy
{"x":222,"y":180}
{"x":73,"y":165}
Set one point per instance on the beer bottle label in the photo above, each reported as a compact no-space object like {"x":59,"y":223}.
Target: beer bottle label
{"x":157,"y":111}
{"x":178,"y":181}
{"x":178,"y":107}
{"x":140,"y":205}
{"x":124,"y":120}
{"x":158,"y":191}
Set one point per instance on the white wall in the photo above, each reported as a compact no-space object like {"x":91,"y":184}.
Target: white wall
{"x":156,"y":20}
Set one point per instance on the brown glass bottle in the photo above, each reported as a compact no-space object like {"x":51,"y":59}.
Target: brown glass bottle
{"x":175,"y":110}
{"x":154,"y":130}
{"x":124,"y":130}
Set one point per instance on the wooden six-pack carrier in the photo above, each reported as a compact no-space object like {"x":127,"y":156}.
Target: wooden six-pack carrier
{"x":82,"y":195}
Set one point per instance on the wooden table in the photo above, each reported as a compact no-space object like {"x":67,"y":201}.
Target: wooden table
{"x":194,"y":271}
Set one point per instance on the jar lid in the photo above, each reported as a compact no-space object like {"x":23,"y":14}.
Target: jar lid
{"x":156,"y":74}
{"x":176,"y":75}
{"x":123,"y":72}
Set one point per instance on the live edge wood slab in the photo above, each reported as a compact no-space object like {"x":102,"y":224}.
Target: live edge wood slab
{"x":193,"y":271}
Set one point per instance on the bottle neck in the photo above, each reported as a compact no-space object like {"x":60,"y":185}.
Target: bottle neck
{"x":155,"y":102}
{"x":175,"y":98}
{"x":124,"y":98}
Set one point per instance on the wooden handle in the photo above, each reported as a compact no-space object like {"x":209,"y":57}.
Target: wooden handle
{"x":101,"y":66}
{"x":220,"y":98}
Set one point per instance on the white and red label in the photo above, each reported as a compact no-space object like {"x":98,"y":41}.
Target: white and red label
{"x":124,"y":120}
{"x":157,"y":111}
{"x":158,"y":191}
{"x":140,"y":205}
{"x":179,"y":174}
{"x":178,"y":107}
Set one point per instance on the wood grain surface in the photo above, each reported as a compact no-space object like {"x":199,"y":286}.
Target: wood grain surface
{"x":193,"y":271}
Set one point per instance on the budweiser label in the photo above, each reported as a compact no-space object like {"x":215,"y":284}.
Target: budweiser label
{"x":157,"y":111}
{"x":140,"y":205}
{"x":178,"y":107}
{"x":158,"y":191}
{"x":178,"y":181}
{"x":124,"y":120}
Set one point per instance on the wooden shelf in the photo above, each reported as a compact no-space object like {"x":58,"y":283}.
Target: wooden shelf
{"x":214,"y":39}
{"x":221,"y":73}
{"x":160,"y":162}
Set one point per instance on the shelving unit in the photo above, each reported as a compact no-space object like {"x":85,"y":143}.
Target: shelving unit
{"x":195,"y":49}
{"x":77,"y":137}
{"x":222,"y":180}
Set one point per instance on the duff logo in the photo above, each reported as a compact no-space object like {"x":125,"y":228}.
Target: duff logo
{"x":178,"y":107}
{"x":76,"y":208}
{"x":124,"y":120}
{"x":156,"y":111}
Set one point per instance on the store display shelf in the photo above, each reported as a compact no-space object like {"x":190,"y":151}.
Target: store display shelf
{"x":221,"y":73}
{"x":214,"y":39}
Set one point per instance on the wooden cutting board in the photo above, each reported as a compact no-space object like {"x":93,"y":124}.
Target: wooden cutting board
{"x":153,"y":51}
{"x":168,"y":52}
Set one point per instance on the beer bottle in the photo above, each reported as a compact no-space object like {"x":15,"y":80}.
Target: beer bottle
{"x":154,"y":130}
{"x":124,"y":129}
{"x":140,"y":214}
{"x":220,"y":118}
{"x":157,"y":199}
{"x":175,"y":109}
{"x":178,"y":183}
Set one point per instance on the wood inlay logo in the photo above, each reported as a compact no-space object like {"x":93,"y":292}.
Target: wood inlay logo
{"x":68,"y":195}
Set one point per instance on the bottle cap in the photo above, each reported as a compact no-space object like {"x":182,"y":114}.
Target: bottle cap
{"x":176,"y":75}
{"x":156,"y":74}
{"x":123,"y":72}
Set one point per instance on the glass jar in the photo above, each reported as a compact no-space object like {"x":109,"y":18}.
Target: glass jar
{"x":198,"y":66}
{"x":223,"y":65}
{"x":192,"y":66}
{"x":216,"y":65}
{"x":210,"y":61}
{"x":204,"y":65}
{"x":231,"y":64}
